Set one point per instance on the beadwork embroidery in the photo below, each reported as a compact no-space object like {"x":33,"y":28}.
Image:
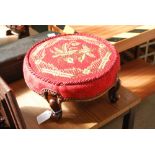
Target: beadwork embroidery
{"x":71,"y":50}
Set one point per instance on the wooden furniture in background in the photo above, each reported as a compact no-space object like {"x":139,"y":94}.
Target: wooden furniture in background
{"x":104,"y":31}
{"x":76,"y":115}
{"x":128,"y":36}
{"x":10,"y":114}
{"x":12,"y":55}
{"x":62,"y":29}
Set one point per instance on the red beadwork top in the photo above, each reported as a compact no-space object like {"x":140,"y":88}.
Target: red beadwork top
{"x":75,"y":66}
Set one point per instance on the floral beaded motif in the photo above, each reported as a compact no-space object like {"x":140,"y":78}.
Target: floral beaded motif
{"x":74,"y":52}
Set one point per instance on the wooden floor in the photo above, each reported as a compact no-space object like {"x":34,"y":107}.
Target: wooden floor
{"x":139,"y":77}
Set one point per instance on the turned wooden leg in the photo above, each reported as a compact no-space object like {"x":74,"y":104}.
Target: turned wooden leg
{"x":55,"y":104}
{"x":112,"y":93}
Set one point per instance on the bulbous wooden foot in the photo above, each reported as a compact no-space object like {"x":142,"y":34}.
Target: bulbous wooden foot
{"x":56,"y":108}
{"x":55,"y":104}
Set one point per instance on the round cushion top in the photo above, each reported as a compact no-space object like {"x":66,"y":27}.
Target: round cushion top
{"x":79,"y":66}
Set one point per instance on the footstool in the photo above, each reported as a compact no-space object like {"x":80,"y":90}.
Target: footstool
{"x":78,"y":67}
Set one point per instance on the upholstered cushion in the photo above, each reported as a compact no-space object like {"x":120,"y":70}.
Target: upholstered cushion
{"x":77,"y":66}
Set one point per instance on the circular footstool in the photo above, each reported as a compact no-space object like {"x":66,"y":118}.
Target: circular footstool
{"x":72,"y":67}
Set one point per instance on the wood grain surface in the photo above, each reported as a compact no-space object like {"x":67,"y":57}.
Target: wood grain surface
{"x":139,"y":77}
{"x":108,"y":31}
{"x":104,"y":31}
{"x":75,"y":115}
